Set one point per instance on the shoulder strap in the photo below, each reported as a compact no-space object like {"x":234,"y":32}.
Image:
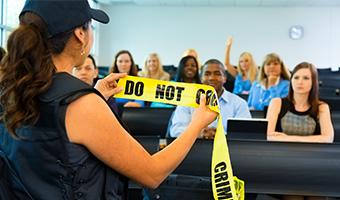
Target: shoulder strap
{"x":66,"y":88}
{"x":285,"y":107}
{"x":65,"y":85}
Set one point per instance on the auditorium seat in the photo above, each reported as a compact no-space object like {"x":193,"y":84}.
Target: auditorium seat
{"x":150,"y":143}
{"x":325,"y":92}
{"x":230,"y":83}
{"x":329,"y":82}
{"x":244,"y":96}
{"x":258,"y":114}
{"x":103,"y":71}
{"x":336,"y":125}
{"x":328,"y":78}
{"x":333,"y":102}
{"x":172,"y":70}
{"x":328,"y":73}
{"x":147,"y":121}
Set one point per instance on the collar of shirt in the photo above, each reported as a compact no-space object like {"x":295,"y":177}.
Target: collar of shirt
{"x":224,"y":97}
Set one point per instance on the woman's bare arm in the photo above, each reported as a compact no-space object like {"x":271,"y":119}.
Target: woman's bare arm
{"x":90,"y":122}
{"x":229,"y":67}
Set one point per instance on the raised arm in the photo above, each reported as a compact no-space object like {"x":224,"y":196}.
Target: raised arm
{"x":229,"y":67}
{"x":90,"y":122}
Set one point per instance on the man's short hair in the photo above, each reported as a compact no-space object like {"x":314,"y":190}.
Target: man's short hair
{"x":214,"y":61}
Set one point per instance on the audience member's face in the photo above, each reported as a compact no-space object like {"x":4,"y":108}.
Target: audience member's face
{"x":214,"y":76}
{"x":124,"y":63}
{"x":86,"y":72}
{"x":190,"y":69}
{"x":152,"y":63}
{"x":302,"y":81}
{"x":244,"y":63}
{"x":272,"y":68}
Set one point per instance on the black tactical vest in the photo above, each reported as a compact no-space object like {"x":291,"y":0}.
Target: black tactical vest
{"x":47,"y":164}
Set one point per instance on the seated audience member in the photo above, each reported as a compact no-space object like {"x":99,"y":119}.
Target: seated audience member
{"x":86,"y":72}
{"x":300,"y":117}
{"x":153,"y":68}
{"x":188,"y":70}
{"x":124,"y":63}
{"x":273,"y":81}
{"x":245,"y":73}
{"x":192,"y":52}
{"x":230,"y":105}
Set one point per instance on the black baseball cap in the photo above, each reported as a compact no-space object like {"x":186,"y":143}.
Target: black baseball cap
{"x":64,"y":15}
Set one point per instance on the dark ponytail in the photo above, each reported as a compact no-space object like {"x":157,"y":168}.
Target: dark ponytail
{"x":27,"y":70}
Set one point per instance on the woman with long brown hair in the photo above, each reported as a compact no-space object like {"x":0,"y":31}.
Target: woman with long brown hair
{"x":57,"y":132}
{"x":301,"y":117}
{"x":124,"y":63}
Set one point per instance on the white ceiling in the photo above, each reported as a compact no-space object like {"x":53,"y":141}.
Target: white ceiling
{"x":226,"y":3}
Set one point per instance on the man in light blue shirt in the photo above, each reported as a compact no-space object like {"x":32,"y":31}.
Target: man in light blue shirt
{"x":230,"y":105}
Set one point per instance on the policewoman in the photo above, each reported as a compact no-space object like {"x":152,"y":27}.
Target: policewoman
{"x":59,"y":138}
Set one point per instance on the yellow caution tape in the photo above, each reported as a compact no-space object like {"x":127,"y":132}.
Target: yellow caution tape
{"x":239,"y":187}
{"x":224,"y":185}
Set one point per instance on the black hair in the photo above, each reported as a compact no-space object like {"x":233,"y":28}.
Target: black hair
{"x":215,"y":61}
{"x":180,"y":70}
{"x":93,"y":60}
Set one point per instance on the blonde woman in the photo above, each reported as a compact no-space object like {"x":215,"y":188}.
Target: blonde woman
{"x":190,"y":52}
{"x":273,"y":81}
{"x":245,"y":73}
{"x":153,"y":68}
